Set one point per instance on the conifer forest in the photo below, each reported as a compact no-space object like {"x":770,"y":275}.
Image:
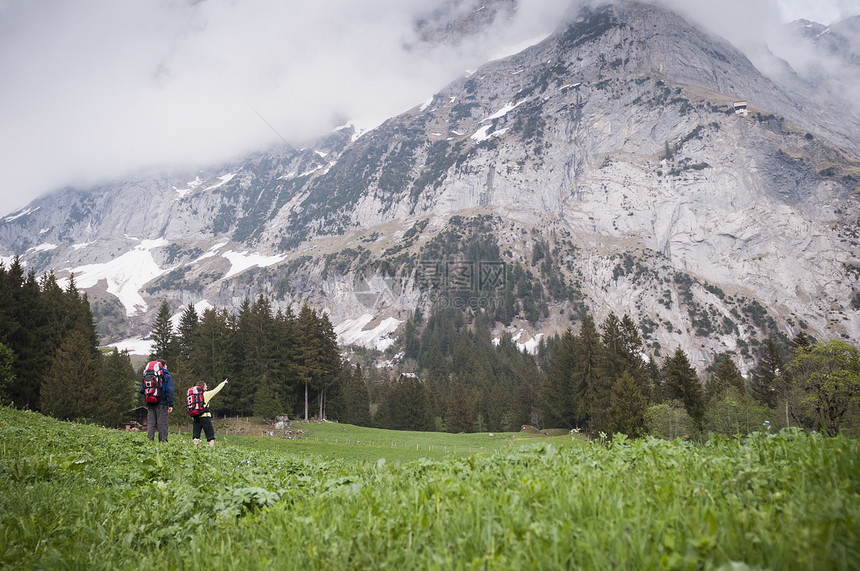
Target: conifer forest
{"x":452,"y":377}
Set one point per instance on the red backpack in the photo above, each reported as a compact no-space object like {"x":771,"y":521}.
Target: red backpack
{"x":194,"y":401}
{"x":153,"y":382}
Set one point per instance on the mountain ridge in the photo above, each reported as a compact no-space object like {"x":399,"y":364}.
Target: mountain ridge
{"x":614,"y":141}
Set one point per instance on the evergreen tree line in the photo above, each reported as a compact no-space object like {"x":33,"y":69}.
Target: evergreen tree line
{"x":278,"y":363}
{"x":49,"y":356}
{"x":600,"y":380}
{"x":454,"y":376}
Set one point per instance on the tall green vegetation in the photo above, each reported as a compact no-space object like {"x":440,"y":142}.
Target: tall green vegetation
{"x":81,"y":497}
{"x":682,"y":383}
{"x":49,"y":359}
{"x":455,"y":375}
{"x":278,"y":363}
{"x":7,"y":374}
{"x":825,"y":381}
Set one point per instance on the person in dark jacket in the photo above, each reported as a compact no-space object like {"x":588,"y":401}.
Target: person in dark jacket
{"x":156,"y":413}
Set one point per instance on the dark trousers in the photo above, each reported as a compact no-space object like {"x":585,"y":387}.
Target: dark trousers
{"x":206,"y":424}
{"x":156,"y":417}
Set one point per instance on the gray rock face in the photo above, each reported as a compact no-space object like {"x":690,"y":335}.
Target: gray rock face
{"x":615,"y":140}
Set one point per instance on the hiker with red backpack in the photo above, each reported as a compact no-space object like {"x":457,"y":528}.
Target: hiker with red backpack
{"x":157,"y":391}
{"x":197,"y":403}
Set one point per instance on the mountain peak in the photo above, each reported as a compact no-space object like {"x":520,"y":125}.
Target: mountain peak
{"x":605,"y":167}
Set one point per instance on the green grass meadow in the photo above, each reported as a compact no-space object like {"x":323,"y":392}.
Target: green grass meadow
{"x":343,"y":497}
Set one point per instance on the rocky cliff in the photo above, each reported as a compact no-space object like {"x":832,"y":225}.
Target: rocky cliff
{"x":614,"y":149}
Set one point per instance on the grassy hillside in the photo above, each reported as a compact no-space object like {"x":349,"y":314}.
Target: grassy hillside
{"x":75,"y":496}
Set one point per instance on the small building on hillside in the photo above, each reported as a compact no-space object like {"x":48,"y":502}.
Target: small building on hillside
{"x":137,"y":421}
{"x":741,"y":108}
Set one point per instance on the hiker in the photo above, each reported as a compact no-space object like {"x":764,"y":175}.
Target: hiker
{"x":204,"y":419}
{"x":157,"y":390}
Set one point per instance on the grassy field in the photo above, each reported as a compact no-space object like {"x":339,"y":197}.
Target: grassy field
{"x":343,"y":497}
{"x":356,"y":443}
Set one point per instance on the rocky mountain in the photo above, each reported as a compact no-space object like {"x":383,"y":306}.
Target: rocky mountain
{"x":826,"y":59}
{"x":628,"y":163}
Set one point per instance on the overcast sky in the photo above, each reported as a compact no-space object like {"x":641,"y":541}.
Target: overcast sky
{"x":97,"y":89}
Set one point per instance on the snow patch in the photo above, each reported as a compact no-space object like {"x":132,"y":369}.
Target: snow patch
{"x":503,"y":111}
{"x":43,"y":247}
{"x":361,"y":127}
{"x":212,"y":252}
{"x":224,"y":180}
{"x":241,"y":261}
{"x":134,"y":346}
{"x":426,"y":104}
{"x":125,"y":275}
{"x":481,"y":134}
{"x":353,"y":332}
{"x":22,"y":213}
{"x":530,"y":346}
{"x":189,"y":186}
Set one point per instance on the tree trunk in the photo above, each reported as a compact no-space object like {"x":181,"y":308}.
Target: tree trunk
{"x":306,"y":401}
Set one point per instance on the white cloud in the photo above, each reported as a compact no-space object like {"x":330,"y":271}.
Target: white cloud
{"x":95,"y":89}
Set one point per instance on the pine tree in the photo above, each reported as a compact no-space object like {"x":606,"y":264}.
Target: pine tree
{"x":627,"y":413}
{"x":801,"y":340}
{"x":654,"y":382}
{"x":119,"y":387}
{"x":34,"y":346}
{"x":11,"y":280}
{"x":267,"y":403}
{"x":526,"y":396}
{"x":353,"y":401}
{"x":256,"y":333}
{"x":616,"y":358}
{"x":163,"y":340}
{"x":8,"y":323}
{"x":308,"y":355}
{"x":763,"y":382}
{"x":73,"y":387}
{"x":590,"y":373}
{"x":726,"y":374}
{"x":78,"y":314}
{"x":181,"y":367}
{"x":331,"y":360}
{"x":560,"y":398}
{"x":212,"y":357}
{"x":187,"y":327}
{"x":458,"y":416}
{"x":318,"y":357}
{"x":7,"y":374}
{"x":682,"y":384}
{"x":624,"y":351}
{"x":408,"y":404}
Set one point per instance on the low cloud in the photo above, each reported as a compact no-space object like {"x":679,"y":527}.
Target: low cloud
{"x":95,"y":89}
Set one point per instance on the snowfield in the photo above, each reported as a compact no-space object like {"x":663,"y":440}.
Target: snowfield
{"x":125,"y":275}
